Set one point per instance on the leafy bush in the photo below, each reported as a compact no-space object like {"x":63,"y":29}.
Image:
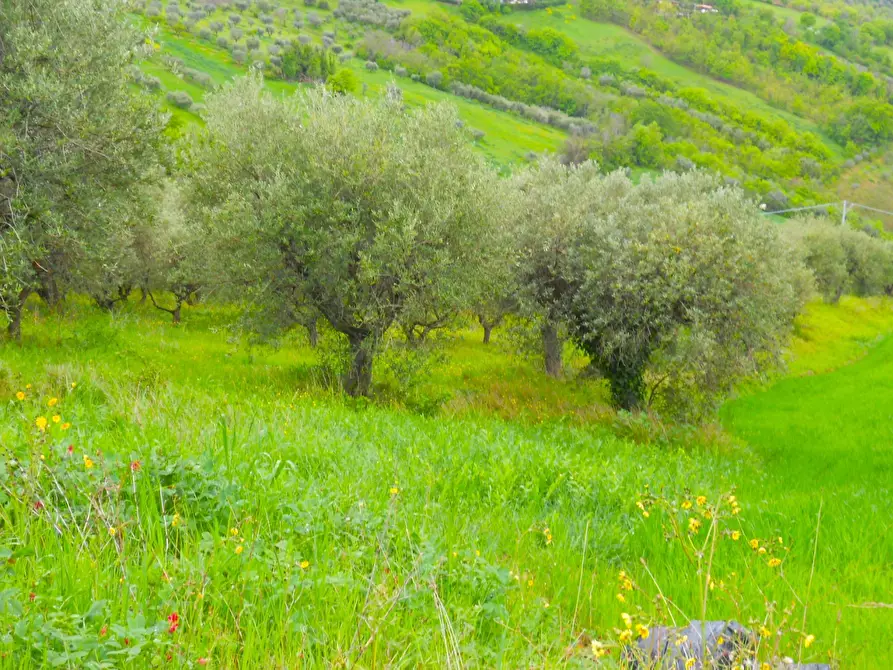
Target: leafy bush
{"x":180,"y":99}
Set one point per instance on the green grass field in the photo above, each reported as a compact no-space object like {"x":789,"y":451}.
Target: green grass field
{"x":195,"y":474}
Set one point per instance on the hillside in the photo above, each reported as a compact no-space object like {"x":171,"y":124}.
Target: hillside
{"x":526,"y":80}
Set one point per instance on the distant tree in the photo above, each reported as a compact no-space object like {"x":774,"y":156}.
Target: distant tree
{"x":357,"y":209}
{"x":807,"y":20}
{"x":76,"y":142}
{"x":344,"y":81}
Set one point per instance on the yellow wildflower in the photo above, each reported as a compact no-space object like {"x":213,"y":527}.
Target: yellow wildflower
{"x":701,"y":500}
{"x":686,"y":504}
{"x":642,"y":631}
{"x":239,"y":549}
{"x":20,"y":395}
{"x":708,"y":514}
{"x":41,"y":422}
{"x":690,"y":663}
{"x":774,"y":562}
{"x":56,"y":418}
{"x":87,"y":462}
{"x":394,"y":490}
{"x":761,"y":551}
{"x":74,"y":385}
{"x":627,"y":619}
{"x":621,"y":597}
{"x":233,"y":531}
{"x":529,"y":582}
{"x":754,"y":544}
{"x":626,"y":636}
{"x":66,"y":426}
{"x":305,"y":565}
{"x":736,"y":535}
{"x":681,"y":640}
{"x":694,"y":525}
{"x":112,"y":530}
{"x":27,"y":387}
{"x":52,"y":402}
{"x":765,"y":666}
{"x":808,"y":640}
{"x":598,"y":649}
{"x":175,"y":521}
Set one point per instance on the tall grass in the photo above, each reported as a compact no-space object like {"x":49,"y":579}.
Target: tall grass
{"x":191,"y":475}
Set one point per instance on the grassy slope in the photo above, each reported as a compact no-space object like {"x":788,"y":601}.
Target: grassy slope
{"x":508,"y":138}
{"x":608,"y":40}
{"x":211,"y":418}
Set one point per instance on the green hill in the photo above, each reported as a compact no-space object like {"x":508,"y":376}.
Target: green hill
{"x":525,"y":80}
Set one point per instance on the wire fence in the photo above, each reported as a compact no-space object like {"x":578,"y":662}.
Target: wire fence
{"x":845,"y":205}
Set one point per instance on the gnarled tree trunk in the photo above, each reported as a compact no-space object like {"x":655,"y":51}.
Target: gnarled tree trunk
{"x":14,"y":314}
{"x":551,"y":349}
{"x":358,"y":379}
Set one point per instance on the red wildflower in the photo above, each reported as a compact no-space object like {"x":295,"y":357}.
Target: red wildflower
{"x":169,"y":658}
{"x":38,"y":505}
{"x":32,"y":596}
{"x":103,"y":631}
{"x":126,"y":641}
{"x":202,"y":661}
{"x":174,"y":620}
{"x":70,"y":449}
{"x":135,"y":466}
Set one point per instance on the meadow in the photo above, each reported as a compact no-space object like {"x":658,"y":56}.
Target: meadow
{"x":184,"y":497}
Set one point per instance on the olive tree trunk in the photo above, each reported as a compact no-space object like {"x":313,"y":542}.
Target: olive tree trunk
{"x":14,"y":314}
{"x":358,"y":379}
{"x":551,"y":349}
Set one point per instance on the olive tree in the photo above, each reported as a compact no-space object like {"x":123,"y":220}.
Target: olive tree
{"x":554,"y":202}
{"x":174,"y":253}
{"x":74,"y":139}
{"x":684,"y":288}
{"x":357,"y":209}
{"x":840,"y":258}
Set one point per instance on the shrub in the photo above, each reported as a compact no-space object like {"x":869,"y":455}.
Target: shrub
{"x":400,"y":71}
{"x":222,"y":42}
{"x":371,"y":65}
{"x":434,"y":79}
{"x":206,"y":34}
{"x":180,"y":99}
{"x":343,"y":81}
{"x":323,"y":4}
{"x":252,"y":43}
